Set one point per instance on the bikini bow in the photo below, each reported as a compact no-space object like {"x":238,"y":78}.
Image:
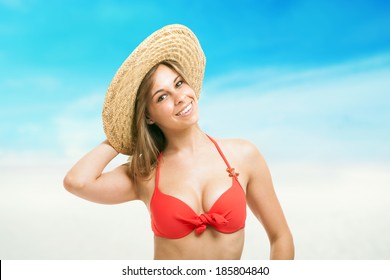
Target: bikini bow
{"x":201,"y":221}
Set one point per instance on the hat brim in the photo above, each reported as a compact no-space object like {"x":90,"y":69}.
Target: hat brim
{"x":173,"y":42}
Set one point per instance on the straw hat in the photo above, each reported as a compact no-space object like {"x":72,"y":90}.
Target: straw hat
{"x":172,"y":42}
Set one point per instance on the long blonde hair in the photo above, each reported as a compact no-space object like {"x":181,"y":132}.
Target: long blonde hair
{"x":150,"y":139}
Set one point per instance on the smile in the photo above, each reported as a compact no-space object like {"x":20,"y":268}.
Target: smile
{"x":185,"y":111}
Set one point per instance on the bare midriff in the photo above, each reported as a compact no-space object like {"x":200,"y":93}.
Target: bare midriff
{"x":210,"y":245}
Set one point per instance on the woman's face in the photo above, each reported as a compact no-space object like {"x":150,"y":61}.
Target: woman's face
{"x":172,"y":103}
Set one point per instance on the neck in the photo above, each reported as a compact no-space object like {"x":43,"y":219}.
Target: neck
{"x":188,"y":141}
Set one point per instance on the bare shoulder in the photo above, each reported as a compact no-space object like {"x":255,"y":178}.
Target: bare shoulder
{"x":240,"y":149}
{"x":245,"y":157}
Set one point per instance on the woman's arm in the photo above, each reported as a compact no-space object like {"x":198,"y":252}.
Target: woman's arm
{"x":86,"y":180}
{"x":263,"y":202}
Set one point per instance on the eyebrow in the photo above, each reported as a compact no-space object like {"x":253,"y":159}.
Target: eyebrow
{"x":157,"y":91}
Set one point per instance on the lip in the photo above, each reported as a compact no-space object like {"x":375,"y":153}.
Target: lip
{"x":181,"y":114}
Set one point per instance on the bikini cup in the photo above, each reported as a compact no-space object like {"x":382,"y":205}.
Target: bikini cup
{"x":172,"y":218}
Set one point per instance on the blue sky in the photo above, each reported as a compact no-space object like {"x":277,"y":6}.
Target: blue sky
{"x":58,"y":57}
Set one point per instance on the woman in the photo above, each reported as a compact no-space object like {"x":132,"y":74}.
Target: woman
{"x":195,"y":187}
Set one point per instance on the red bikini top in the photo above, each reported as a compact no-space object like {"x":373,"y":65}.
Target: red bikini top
{"x":173,"y":218}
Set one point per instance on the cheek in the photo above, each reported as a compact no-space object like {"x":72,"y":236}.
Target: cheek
{"x":151,"y":111}
{"x":156,"y":111}
{"x":189,"y":92}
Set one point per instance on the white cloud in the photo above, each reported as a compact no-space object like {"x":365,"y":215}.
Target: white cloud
{"x":273,"y":78}
{"x":339,"y":111}
{"x":79,"y":126}
{"x":39,"y":83}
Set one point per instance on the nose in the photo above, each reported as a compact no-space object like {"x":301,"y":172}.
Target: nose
{"x":179,"y":97}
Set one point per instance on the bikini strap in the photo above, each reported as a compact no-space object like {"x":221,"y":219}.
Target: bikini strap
{"x":229,"y":169}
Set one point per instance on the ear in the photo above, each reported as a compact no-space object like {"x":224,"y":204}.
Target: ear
{"x":149,"y":121}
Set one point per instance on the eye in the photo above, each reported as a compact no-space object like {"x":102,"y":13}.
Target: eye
{"x":179,"y":83}
{"x":161,"y":97}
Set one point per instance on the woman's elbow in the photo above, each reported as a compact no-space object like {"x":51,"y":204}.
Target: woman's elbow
{"x":72,"y":184}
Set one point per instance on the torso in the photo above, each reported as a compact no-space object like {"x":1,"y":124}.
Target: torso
{"x":198,"y":182}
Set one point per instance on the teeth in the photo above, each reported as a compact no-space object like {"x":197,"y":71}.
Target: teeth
{"x":185,"y":110}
